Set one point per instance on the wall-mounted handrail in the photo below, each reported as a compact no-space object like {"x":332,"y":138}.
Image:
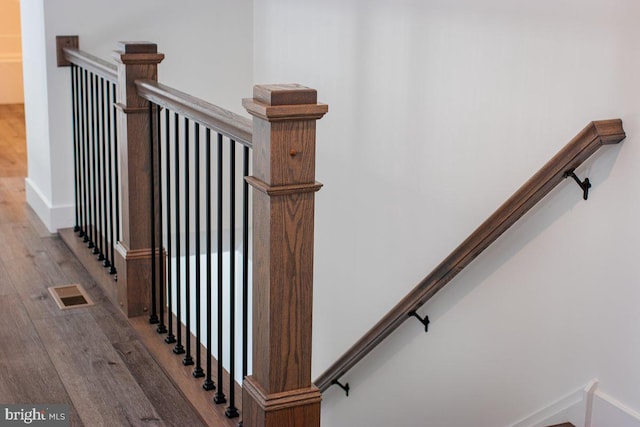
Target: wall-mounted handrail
{"x":92,"y":63}
{"x":232,"y":125}
{"x":587,"y":142}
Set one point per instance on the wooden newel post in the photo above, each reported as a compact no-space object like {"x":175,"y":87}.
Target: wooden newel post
{"x":135,"y":60}
{"x":280,"y":391}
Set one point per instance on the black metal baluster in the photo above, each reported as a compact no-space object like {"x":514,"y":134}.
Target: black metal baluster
{"x":110,"y":166}
{"x":96,"y":166}
{"x":188,"y":360}
{"x":102,"y":190}
{"x":89,"y":233}
{"x":93,"y":242}
{"x":197,"y":371}
{"x":74,"y":120}
{"x":245,"y":262}
{"x":85,"y":157}
{"x":179,"y":348}
{"x":220,"y":397}
{"x":94,"y":160}
{"x":232,"y":411}
{"x":82,"y":160}
{"x":153,"y":317}
{"x":116,"y":173}
{"x":170,"y":338}
{"x":208,"y":383}
{"x":162,"y":279}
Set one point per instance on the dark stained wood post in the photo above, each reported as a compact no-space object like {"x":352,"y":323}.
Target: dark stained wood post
{"x":280,"y":392}
{"x":135,"y":60}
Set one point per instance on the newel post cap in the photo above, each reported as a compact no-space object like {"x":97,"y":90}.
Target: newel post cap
{"x":130,"y":52}
{"x":277,"y":102}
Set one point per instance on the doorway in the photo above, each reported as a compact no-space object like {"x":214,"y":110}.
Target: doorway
{"x":11,"y":86}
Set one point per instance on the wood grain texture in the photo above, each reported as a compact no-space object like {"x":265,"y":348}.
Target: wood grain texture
{"x":280,"y":392}
{"x":6,"y":287}
{"x":88,"y":260}
{"x":27,"y":374}
{"x":285,"y":94}
{"x":63,"y":42}
{"x":581,"y":147}
{"x":31,"y":259}
{"x":216,"y":118}
{"x":12,"y":211}
{"x":36,"y":263}
{"x":13,"y":161}
{"x":30,"y":270}
{"x":181,"y":376}
{"x":91,"y":63}
{"x":103,"y":390}
{"x":294,"y":408}
{"x":134,"y":61}
{"x":167,"y":399}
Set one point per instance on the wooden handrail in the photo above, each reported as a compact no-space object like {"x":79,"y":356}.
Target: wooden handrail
{"x":91,"y":63}
{"x":279,"y":392}
{"x":232,"y":125}
{"x":587,"y":142}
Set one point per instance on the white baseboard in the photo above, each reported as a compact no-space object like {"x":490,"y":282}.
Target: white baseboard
{"x":571,"y":407}
{"x":608,"y":412}
{"x":585,"y":407}
{"x":53,"y":217}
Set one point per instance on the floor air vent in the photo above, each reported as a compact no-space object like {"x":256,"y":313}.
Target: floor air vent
{"x":70,"y":296}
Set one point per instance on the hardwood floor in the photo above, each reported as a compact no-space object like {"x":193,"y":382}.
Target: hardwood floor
{"x":89,"y":358}
{"x":13,"y":157}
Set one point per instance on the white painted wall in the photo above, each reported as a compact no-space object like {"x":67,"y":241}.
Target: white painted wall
{"x":208,"y":52}
{"x":438,"y":111}
{"x":10,"y":53}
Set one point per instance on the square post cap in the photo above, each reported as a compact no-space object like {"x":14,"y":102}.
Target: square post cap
{"x":278,"y":102}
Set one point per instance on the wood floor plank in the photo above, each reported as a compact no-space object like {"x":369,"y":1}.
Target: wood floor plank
{"x":101,"y":387}
{"x":167,"y":399}
{"x":161,"y":392}
{"x":27,"y":374}
{"x":36,"y":224}
{"x":12,"y":134}
{"x":6,"y":286}
{"x":89,"y":358}
{"x":182,"y":375}
{"x":12,"y":204}
{"x":30,"y":269}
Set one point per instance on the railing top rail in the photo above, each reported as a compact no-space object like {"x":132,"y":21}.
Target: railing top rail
{"x":91,"y":63}
{"x":581,"y":147}
{"x":218,"y":119}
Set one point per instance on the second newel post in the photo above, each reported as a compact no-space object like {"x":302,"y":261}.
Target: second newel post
{"x":280,"y":391}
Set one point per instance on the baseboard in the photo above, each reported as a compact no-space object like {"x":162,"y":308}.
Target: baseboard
{"x":53,"y":217}
{"x":608,"y":412}
{"x":585,"y":407}
{"x":569,"y":408}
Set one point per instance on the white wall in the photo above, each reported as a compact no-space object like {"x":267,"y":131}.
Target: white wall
{"x":438,"y":111}
{"x":208,"y":53}
{"x":10,"y":53}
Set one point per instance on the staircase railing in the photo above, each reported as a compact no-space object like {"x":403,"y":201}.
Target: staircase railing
{"x":175,"y":156}
{"x":95,"y":139}
{"x":561,"y":166}
{"x":137,"y":150}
